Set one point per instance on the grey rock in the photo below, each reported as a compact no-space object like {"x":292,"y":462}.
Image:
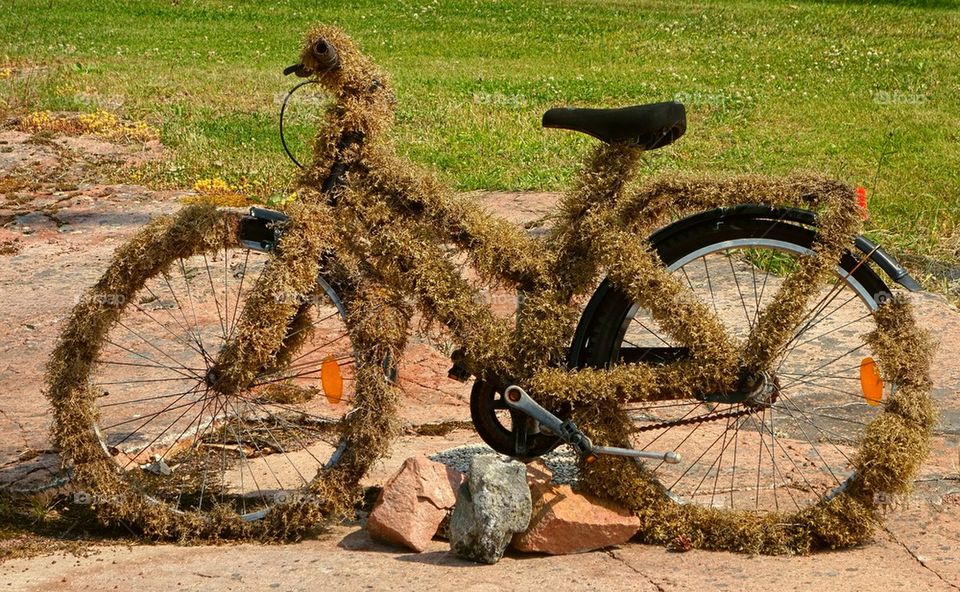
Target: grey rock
{"x":491,"y":506}
{"x":561,"y":461}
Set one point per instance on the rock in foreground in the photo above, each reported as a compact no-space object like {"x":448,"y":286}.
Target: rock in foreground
{"x":413,"y":503}
{"x":492,"y":505}
{"x":565,"y":521}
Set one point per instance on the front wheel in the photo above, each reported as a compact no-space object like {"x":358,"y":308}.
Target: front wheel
{"x":801,"y":444}
{"x":141,"y":409}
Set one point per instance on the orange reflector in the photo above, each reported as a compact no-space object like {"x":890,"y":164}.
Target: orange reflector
{"x":331,"y":380}
{"x":870,"y":382}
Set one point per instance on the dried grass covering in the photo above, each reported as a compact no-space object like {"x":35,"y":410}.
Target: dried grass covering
{"x":392,"y":227}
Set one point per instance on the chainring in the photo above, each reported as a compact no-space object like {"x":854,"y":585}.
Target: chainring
{"x":485,"y":403}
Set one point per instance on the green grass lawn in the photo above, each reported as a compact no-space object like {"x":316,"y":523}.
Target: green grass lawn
{"x":870,"y":93}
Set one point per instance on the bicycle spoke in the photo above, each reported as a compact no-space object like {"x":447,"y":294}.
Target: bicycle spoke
{"x":149,"y":359}
{"x":166,"y":429}
{"x":216,"y":301}
{"x":145,"y":380}
{"x":279,"y":446}
{"x":706,"y":473}
{"x":170,"y":407}
{"x":154,"y":346}
{"x":713,"y":298}
{"x":743,"y":302}
{"x":719,"y":460}
{"x":236,"y":304}
{"x":793,"y":344}
{"x":697,"y":460}
{"x":805,"y":417}
{"x":650,"y":331}
{"x":186,"y":324}
{"x":116,"y":363}
{"x":193,"y":309}
{"x":167,"y":329}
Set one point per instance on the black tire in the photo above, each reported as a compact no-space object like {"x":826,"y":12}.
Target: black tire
{"x":813,"y":431}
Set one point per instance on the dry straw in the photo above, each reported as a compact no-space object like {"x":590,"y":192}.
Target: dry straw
{"x":391,"y":229}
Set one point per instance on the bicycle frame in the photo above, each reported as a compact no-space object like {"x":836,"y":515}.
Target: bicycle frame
{"x":394,"y":224}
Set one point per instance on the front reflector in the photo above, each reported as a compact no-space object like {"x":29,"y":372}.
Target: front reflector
{"x":331,"y":379}
{"x":870,"y":382}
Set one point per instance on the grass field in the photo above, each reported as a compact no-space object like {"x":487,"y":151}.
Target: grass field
{"x":870,"y":93}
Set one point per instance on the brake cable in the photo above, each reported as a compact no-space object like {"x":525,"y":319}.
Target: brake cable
{"x":283,"y":109}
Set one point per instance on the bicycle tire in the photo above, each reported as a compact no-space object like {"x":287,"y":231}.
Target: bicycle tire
{"x":604,"y":342}
{"x":272,"y":439}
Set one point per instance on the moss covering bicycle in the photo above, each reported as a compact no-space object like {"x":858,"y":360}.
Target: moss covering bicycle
{"x":727,"y":356}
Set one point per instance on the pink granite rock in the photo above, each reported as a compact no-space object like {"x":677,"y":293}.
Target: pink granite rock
{"x":565,"y":521}
{"x":414,"y":502}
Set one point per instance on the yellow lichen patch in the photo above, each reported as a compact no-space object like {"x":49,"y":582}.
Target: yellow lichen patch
{"x":6,"y":73}
{"x":101,"y":123}
{"x":217,"y":192}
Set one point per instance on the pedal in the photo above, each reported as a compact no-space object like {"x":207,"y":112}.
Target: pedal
{"x":458,"y":372}
{"x":259,"y":230}
{"x":568,"y":431}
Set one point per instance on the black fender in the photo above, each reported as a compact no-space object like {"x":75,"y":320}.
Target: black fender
{"x":883,"y":260}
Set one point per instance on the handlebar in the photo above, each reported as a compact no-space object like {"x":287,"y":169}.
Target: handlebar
{"x":325,"y":56}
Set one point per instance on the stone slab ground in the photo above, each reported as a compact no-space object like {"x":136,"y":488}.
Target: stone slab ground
{"x":61,"y":236}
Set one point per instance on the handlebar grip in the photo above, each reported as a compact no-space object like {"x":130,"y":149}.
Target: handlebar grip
{"x":326,"y":55}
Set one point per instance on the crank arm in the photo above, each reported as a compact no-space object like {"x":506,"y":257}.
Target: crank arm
{"x":568,"y":431}
{"x":671,"y":457}
{"x":518,"y":399}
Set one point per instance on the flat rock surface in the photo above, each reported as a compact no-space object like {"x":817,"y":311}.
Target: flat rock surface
{"x":348,"y":559}
{"x":58,"y":236}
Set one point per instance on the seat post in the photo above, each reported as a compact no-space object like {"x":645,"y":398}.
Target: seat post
{"x":605,"y":172}
{"x":595,"y":190}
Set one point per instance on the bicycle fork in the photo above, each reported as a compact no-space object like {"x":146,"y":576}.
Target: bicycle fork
{"x":518,"y":399}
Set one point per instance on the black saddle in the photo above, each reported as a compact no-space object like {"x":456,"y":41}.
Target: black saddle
{"x":646,"y":126}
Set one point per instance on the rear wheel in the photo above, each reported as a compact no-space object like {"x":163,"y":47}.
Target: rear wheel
{"x":794,"y":445}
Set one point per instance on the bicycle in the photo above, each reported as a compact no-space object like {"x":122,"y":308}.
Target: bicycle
{"x":235,"y":374}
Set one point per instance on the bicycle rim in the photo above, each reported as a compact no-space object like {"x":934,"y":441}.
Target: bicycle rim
{"x":160,"y":417}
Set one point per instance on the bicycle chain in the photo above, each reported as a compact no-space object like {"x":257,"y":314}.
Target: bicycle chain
{"x":692,"y":420}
